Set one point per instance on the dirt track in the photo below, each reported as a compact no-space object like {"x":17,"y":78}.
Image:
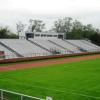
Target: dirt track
{"x":43,"y":63}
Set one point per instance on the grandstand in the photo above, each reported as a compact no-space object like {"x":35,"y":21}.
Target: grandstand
{"x":84,"y":45}
{"x":50,"y":46}
{"x":44,"y":44}
{"x":67,"y":46}
{"x":7,"y":52}
{"x":23,"y":47}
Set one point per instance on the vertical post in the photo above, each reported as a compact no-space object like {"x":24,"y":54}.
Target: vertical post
{"x":21,"y":97}
{"x":49,"y":98}
{"x":1,"y":94}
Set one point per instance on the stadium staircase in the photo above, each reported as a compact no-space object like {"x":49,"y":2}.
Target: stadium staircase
{"x":81,"y":49}
{"x":60,"y":46}
{"x":39,"y":45}
{"x":10,"y":49}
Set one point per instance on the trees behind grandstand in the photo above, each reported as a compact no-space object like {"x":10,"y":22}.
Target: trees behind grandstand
{"x":36,"y":25}
{"x":6,"y":33}
{"x":74,"y":29}
{"x":20,"y":27}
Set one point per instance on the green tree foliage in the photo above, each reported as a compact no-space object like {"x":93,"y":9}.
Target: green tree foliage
{"x":63,"y":25}
{"x":74,"y":29}
{"x":5,"y":33}
{"x":95,"y":38}
{"x":36,"y":25}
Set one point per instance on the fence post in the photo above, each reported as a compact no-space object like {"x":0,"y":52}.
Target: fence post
{"x":49,"y":98}
{"x":21,"y":97}
{"x":1,"y":95}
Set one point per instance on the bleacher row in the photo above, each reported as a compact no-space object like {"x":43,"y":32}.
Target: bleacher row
{"x":15,"y":48}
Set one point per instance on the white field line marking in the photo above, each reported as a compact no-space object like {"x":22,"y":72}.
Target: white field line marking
{"x":75,"y":93}
{"x":94,"y":87}
{"x":85,"y":95}
{"x":81,"y":94}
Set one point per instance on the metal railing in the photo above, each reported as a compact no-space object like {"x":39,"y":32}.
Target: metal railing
{"x":55,"y":52}
{"x":9,"y":95}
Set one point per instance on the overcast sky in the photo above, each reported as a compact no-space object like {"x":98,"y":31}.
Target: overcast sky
{"x":12,"y":11}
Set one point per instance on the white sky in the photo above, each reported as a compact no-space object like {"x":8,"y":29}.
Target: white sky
{"x":12,"y":11}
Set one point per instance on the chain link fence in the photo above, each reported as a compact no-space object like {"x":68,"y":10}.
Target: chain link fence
{"x":53,"y":52}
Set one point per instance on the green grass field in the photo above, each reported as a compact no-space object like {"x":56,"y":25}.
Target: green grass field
{"x":69,"y":81}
